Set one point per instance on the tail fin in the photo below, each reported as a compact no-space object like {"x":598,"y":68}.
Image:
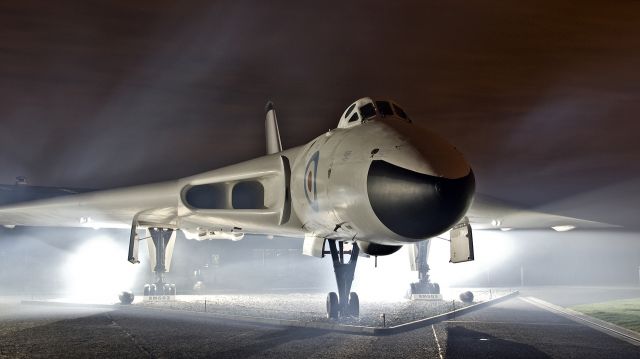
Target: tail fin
{"x":271,"y":128}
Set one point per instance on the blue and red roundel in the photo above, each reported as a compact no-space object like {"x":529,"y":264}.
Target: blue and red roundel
{"x":310,"y":175}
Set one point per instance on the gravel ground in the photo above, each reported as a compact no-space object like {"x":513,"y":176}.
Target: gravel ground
{"x":510,"y":329}
{"x":310,"y":307}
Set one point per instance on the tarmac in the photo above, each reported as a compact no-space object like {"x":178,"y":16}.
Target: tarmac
{"x":513,"y":328}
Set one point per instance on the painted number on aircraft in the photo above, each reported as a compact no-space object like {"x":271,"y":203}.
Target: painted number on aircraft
{"x":310,"y":187}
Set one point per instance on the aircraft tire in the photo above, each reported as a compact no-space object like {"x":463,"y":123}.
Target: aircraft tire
{"x":332,"y":305}
{"x":354,"y":304}
{"x":436,"y":288}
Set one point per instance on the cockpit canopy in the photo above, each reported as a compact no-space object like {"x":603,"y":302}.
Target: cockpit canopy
{"x":366,"y":109}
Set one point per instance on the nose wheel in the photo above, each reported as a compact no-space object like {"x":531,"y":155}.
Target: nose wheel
{"x":332,"y":305}
{"x":354,"y":304}
{"x":343,"y":303}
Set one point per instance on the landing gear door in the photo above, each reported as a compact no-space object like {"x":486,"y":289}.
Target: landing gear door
{"x":461,"y":242}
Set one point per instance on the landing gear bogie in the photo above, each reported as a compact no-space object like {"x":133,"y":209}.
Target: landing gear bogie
{"x":425,"y":288}
{"x":159,"y":289}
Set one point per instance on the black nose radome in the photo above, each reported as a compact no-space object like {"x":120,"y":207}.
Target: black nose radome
{"x":415,"y":205}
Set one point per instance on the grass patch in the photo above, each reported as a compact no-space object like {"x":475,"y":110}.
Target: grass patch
{"x":624,"y":312}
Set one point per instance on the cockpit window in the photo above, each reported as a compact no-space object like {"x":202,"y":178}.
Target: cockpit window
{"x":354,"y":117}
{"x":385,"y":108}
{"x":368,"y":111}
{"x":349,"y":111}
{"x":400,"y":112}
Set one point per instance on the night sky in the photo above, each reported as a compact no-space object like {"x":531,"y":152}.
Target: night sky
{"x":543,"y":97}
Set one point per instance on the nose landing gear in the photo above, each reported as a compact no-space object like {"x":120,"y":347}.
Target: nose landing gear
{"x":344,"y":303}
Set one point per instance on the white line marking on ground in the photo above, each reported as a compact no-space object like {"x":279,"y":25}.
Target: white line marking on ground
{"x":512,"y":323}
{"x":597,"y":324}
{"x":437,"y":342}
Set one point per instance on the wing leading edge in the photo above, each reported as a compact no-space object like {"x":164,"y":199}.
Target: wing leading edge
{"x":154,"y":203}
{"x":489,"y":213}
{"x":158,"y":203}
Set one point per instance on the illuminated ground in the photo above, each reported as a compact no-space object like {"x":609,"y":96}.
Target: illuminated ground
{"x":310,"y":307}
{"x":623,"y":312}
{"x":569,"y":296}
{"x":513,"y":328}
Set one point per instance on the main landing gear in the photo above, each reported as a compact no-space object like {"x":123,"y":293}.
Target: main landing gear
{"x":419,"y":263}
{"x":162,"y":239}
{"x":344,"y":303}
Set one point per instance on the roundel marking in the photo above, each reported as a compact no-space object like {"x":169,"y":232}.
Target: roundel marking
{"x":310,"y":186}
{"x":310,"y":181}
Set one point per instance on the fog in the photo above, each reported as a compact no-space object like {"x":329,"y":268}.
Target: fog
{"x":90,"y":265}
{"x":540,"y":97}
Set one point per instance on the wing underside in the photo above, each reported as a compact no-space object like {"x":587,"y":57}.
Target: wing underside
{"x":489,"y":213}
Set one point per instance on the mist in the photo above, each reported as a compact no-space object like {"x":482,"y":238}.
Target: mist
{"x":90,"y":265}
{"x":115,"y":95}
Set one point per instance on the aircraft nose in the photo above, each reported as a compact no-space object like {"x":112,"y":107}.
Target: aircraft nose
{"x":415,"y":205}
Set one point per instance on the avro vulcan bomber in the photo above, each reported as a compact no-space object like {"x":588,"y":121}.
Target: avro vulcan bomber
{"x":377,"y":182}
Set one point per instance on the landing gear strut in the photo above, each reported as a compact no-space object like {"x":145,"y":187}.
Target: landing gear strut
{"x":345,"y":302}
{"x":419,"y":263}
{"x":161,"y":238}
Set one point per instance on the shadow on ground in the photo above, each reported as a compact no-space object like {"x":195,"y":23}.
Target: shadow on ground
{"x":466,"y":343}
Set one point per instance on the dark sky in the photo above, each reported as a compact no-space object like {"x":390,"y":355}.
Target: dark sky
{"x":543,"y":97}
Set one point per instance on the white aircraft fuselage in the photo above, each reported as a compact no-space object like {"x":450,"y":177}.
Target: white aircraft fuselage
{"x":379,"y":179}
